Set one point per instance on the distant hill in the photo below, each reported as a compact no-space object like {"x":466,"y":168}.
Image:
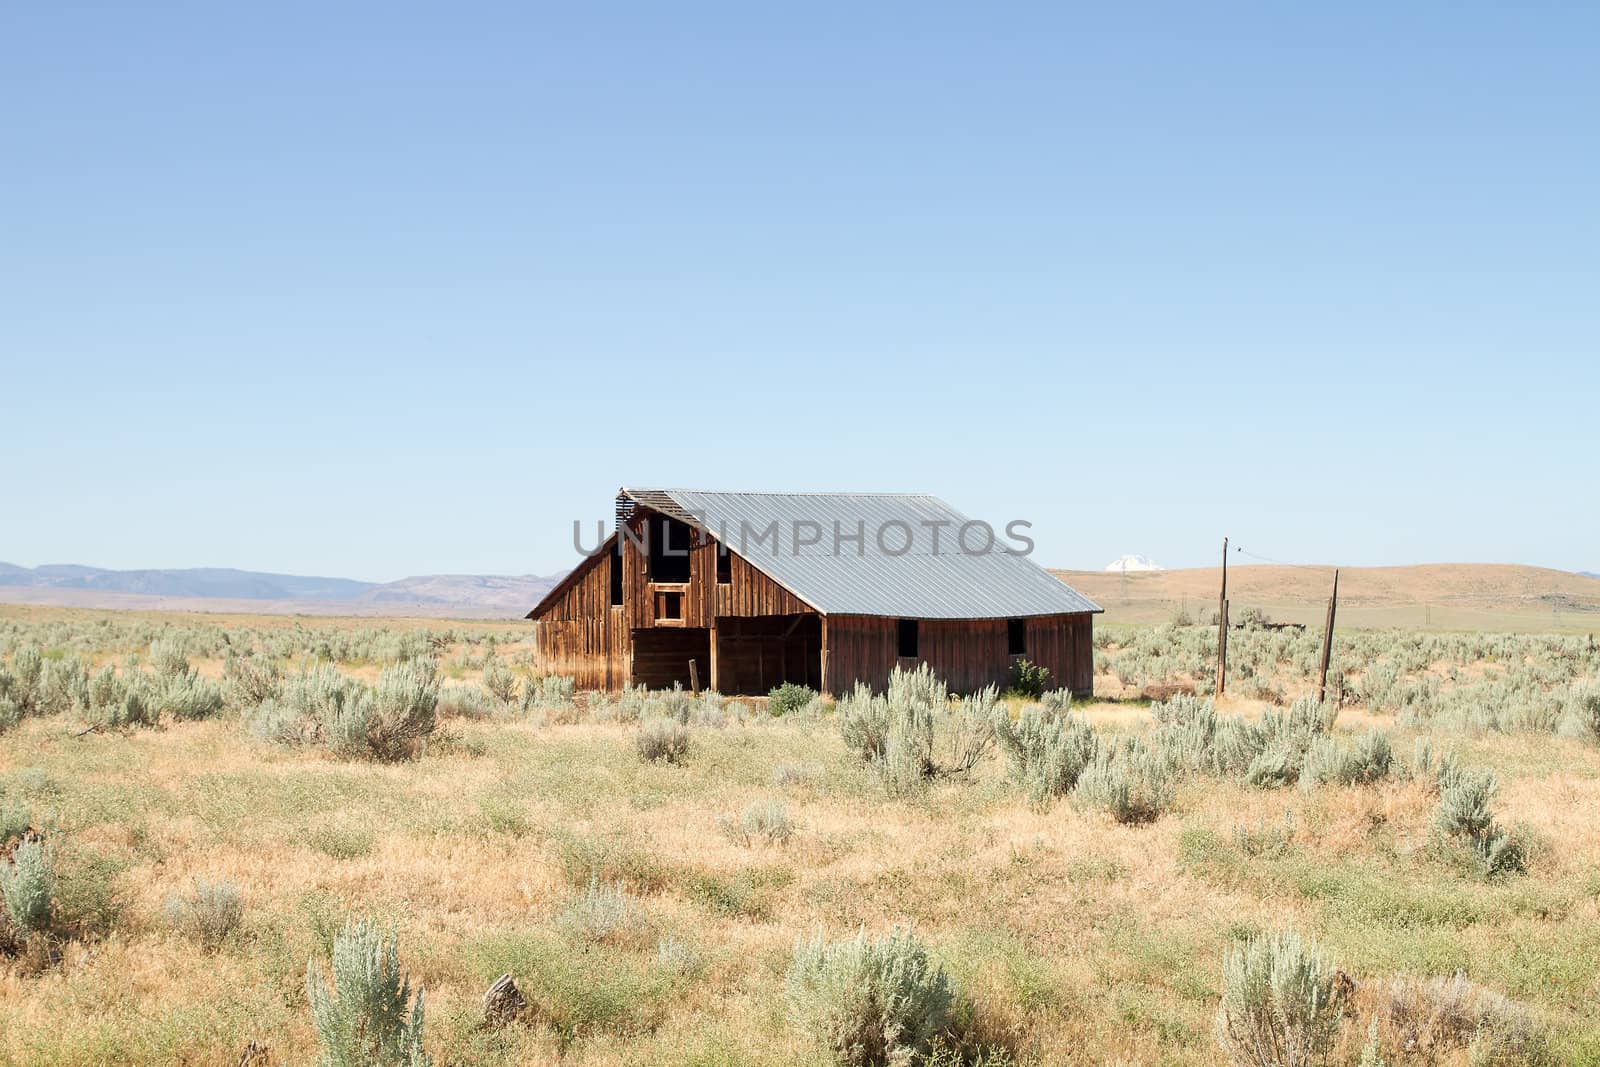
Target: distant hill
{"x":222,"y":589}
{"x":1454,"y":596}
{"x":1588,"y":574}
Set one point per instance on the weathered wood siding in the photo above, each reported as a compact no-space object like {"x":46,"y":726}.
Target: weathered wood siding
{"x":581,"y":634}
{"x":967,"y":654}
{"x":750,"y":592}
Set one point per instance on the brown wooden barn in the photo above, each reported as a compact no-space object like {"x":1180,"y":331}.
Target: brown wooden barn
{"x":825,"y":589}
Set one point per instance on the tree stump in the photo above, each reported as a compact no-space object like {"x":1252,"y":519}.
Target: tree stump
{"x":504,"y":1002}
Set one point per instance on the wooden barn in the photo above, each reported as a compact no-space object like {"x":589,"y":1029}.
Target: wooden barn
{"x":824,"y":589}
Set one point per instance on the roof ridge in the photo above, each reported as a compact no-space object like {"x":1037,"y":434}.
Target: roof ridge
{"x":774,"y":492}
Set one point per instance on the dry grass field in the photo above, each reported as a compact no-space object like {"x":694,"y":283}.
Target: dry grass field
{"x":647,"y":920}
{"x":1438,"y":596}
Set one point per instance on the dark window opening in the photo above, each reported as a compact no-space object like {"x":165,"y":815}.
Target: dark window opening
{"x":669,"y":550}
{"x":724,"y":566}
{"x":908,"y":638}
{"x":671,"y":605}
{"x":616,"y":577}
{"x":1017,"y":637}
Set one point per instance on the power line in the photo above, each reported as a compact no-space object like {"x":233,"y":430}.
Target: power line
{"x":1283,"y":563}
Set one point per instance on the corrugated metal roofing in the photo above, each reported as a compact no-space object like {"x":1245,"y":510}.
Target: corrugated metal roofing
{"x":878,"y":578}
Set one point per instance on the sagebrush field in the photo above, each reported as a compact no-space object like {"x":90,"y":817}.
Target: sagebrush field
{"x":193,"y":809}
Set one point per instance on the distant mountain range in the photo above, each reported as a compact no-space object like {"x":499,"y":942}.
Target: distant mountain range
{"x":224,"y":589}
{"x":1588,"y":574}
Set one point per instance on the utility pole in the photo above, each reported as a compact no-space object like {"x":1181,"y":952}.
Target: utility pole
{"x":1327,"y":640}
{"x":1222,"y":625}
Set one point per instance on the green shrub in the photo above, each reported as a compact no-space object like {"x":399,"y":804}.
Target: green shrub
{"x":789,"y":698}
{"x":208,"y":915}
{"x":1046,"y":750}
{"x":663,"y":741}
{"x":1128,"y":781}
{"x":1028,"y":679}
{"x":367,"y":1018}
{"x":870,"y":1003}
{"x":28,"y":884}
{"x":1281,"y":1004}
{"x":10,"y":713}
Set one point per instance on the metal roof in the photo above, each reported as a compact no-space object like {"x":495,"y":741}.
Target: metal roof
{"x":878,"y":578}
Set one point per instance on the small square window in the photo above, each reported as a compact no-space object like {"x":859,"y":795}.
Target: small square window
{"x":671,"y":605}
{"x":908,"y":638}
{"x":1017,"y":637}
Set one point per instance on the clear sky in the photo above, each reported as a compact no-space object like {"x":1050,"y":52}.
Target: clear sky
{"x":375,"y":290}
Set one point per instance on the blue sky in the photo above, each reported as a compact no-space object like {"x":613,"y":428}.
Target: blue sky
{"x":374,"y":290}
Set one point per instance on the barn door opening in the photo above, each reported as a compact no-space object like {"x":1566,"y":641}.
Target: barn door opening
{"x":661,"y":656}
{"x":756,"y":654}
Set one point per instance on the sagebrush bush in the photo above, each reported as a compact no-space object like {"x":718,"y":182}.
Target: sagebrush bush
{"x":765,"y":821}
{"x":896,"y":734}
{"x":467,"y":702}
{"x":208,"y":915}
{"x":60,"y":683}
{"x":789,"y":698}
{"x":28,"y":884}
{"x":1436,"y":1015}
{"x":553,"y":691}
{"x":663,"y":741}
{"x":251,"y":680}
{"x":1046,"y":750}
{"x":1585,"y":711}
{"x":1368,"y":760}
{"x":604,"y":913}
{"x":1464,"y":816}
{"x":870,"y":1003}
{"x":1464,"y":799}
{"x":169,"y":657}
{"x":1127,"y":781}
{"x":500,"y":681}
{"x":16,"y":818}
{"x":183,"y":695}
{"x":1281,"y":1003}
{"x":368,"y":1018}
{"x":388,"y":722}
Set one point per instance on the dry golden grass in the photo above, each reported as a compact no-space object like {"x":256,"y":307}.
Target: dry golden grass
{"x":1078,"y":940}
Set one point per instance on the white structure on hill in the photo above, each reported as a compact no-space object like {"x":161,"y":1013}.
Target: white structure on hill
{"x":1128,"y":564}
